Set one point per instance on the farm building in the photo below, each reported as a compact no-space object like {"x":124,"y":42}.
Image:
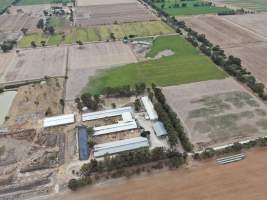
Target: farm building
{"x":159,"y":129}
{"x":115,"y":128}
{"x":58,"y":120}
{"x":152,"y":114}
{"x":120,"y":146}
{"x":125,"y":112}
{"x":83,"y":143}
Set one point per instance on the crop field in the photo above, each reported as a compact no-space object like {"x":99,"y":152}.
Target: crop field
{"x":112,"y":14}
{"x":185,"y":66}
{"x":32,"y":64}
{"x":248,"y":38}
{"x":5,"y":4}
{"x":102,"y":2}
{"x":86,"y":62}
{"x":195,"y":7}
{"x":217,"y":112}
{"x":32,"y":10}
{"x":207,"y":180}
{"x":17,"y":22}
{"x":255,"y":5}
{"x":99,"y":33}
{"x":35,"y":2}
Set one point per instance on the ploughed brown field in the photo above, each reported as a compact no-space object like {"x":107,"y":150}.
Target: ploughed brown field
{"x":243,"y":180}
{"x":244,"y":36}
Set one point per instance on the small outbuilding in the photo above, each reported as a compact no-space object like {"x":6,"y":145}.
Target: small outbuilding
{"x":159,"y":129}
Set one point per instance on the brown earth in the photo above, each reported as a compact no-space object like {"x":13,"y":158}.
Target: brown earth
{"x":114,"y":13}
{"x":244,"y":180}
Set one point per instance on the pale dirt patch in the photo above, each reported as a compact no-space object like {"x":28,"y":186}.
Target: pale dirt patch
{"x":32,"y":64}
{"x":217,"y":112}
{"x":164,"y":53}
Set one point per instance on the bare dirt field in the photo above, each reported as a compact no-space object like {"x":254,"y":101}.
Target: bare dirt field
{"x":84,"y":63}
{"x":32,"y":64}
{"x":38,"y":100}
{"x":102,"y":2}
{"x":32,"y":10}
{"x":217,"y":112}
{"x":220,"y":31}
{"x":244,"y":36}
{"x":9,"y":22}
{"x":244,"y":180}
{"x":115,"y":13}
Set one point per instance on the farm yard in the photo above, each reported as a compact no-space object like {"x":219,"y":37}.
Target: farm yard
{"x":248,"y":38}
{"x":32,"y":64}
{"x":112,"y":14}
{"x":184,"y":65}
{"x":86,"y":62}
{"x":102,"y":2}
{"x":98,"y":33}
{"x":10,"y":23}
{"x":217,"y":112}
{"x":255,"y":5}
{"x":189,"y":7}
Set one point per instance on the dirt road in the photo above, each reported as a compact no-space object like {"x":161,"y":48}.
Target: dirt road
{"x":244,"y":180}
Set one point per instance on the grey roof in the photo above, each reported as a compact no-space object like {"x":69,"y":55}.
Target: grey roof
{"x":159,"y":129}
{"x":120,"y":146}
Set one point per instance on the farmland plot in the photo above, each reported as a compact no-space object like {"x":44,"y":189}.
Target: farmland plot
{"x":255,"y":5}
{"x":85,"y":62}
{"x":102,"y":2}
{"x":217,"y":112}
{"x":116,"y":13}
{"x":32,"y":10}
{"x":17,"y":22}
{"x":32,"y":64}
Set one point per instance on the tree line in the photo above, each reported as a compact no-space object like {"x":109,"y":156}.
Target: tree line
{"x":171,"y":122}
{"x":117,"y":166}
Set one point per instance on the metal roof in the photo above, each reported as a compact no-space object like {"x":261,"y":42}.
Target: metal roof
{"x":120,"y":146}
{"x":58,"y":120}
{"x":159,"y":129}
{"x":105,"y":113}
{"x":122,"y":126}
{"x":152,"y":114}
{"x":83,"y":143}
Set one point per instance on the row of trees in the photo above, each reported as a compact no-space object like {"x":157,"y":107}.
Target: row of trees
{"x":124,"y":160}
{"x":125,"y":91}
{"x":92,"y":102}
{"x":171,"y":122}
{"x":237,"y":147}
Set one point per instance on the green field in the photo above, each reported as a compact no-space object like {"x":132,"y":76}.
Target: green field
{"x":34,"y":2}
{"x":99,"y":33}
{"x":189,"y":9}
{"x":26,"y":41}
{"x":257,"y":5}
{"x":5,"y":4}
{"x":185,"y":66}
